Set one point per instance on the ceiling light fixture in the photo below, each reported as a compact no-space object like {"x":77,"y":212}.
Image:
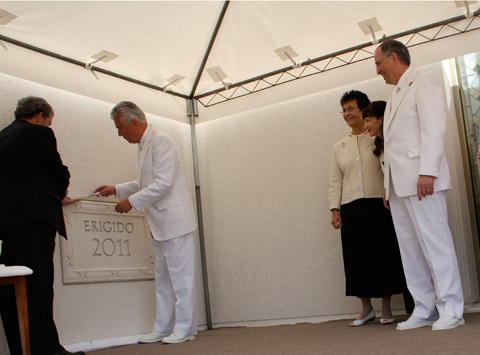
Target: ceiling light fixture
{"x":465,"y":4}
{"x":369,"y":27}
{"x":217,"y":74}
{"x":287,"y":53}
{"x":6,"y":17}
{"x":102,"y":56}
{"x":173,"y":81}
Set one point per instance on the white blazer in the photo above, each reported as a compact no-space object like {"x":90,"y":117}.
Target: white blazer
{"x":414,"y":129}
{"x":160,"y":189}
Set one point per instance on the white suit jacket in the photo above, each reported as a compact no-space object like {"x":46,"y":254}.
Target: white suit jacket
{"x":414,"y":129}
{"x":160,"y":189}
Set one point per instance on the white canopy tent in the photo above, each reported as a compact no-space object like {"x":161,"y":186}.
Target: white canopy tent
{"x":171,"y":46}
{"x":196,"y":61}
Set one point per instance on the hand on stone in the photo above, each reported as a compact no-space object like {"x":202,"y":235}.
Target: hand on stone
{"x":123,"y":206}
{"x":67,"y":200}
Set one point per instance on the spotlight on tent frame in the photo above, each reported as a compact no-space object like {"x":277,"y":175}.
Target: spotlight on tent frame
{"x":287,"y":53}
{"x":369,"y":27}
{"x":6,"y":17}
{"x":102,"y":56}
{"x":173,"y":81}
{"x":466,"y":5}
{"x":217,"y":75}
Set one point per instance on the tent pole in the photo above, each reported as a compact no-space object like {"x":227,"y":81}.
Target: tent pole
{"x":192,"y":112}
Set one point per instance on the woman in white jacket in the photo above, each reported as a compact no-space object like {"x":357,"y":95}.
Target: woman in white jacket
{"x":371,"y":258}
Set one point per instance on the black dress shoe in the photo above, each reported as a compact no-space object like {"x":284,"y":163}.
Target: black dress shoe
{"x":66,"y":352}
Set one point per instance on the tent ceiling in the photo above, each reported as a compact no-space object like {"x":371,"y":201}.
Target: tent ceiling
{"x":155,"y":40}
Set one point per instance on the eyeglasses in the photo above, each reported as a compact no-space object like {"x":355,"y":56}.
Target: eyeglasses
{"x":377,"y":64}
{"x":348,"y":109}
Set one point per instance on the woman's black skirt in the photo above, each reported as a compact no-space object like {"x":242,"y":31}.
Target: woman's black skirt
{"x":373,"y":266}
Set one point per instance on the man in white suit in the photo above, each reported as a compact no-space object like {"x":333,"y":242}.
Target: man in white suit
{"x":416,"y":183}
{"x":161,"y":191}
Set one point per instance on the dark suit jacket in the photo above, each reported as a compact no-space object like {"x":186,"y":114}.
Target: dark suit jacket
{"x":33,"y":179}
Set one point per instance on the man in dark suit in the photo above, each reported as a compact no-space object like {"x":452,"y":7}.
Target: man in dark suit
{"x":33,"y":186}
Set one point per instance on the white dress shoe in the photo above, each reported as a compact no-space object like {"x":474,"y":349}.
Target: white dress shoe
{"x":447,"y":322}
{"x":371,"y":316}
{"x":153,"y":337}
{"x":175,"y":338}
{"x":414,"y":322}
{"x":386,"y":321}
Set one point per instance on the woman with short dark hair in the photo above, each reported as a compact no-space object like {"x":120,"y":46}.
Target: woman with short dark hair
{"x":372,"y":264}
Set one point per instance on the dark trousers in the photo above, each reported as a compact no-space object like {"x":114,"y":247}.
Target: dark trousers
{"x":409,"y":302}
{"x":31,"y":245}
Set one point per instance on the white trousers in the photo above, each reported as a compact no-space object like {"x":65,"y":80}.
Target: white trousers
{"x":428,"y":254}
{"x":175,"y":285}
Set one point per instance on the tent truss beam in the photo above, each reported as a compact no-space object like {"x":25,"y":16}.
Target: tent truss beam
{"x":83,"y":65}
{"x":421,"y":35}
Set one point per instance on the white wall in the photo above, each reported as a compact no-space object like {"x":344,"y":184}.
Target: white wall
{"x":90,"y":147}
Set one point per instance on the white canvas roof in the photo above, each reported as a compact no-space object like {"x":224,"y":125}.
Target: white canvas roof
{"x":157,"y":40}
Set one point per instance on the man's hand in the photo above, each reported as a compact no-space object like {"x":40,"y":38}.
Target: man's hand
{"x":105,"y":190}
{"x":385,"y":201}
{"x":67,"y":200}
{"x":425,"y":186}
{"x":336,"y":219}
{"x":123,"y":206}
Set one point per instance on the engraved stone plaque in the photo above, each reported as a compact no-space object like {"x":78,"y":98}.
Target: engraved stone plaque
{"x":104,"y":245}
